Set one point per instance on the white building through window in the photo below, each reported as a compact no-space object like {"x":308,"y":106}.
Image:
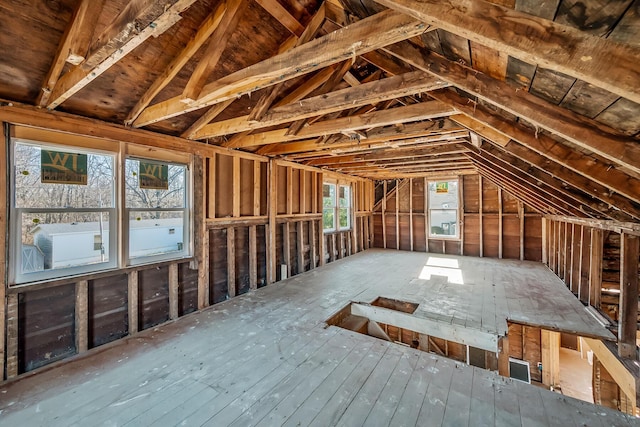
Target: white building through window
{"x":443,"y":208}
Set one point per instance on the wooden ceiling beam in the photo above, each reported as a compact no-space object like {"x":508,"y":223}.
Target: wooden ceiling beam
{"x":311,"y":148}
{"x":389,"y":154}
{"x":73,"y":46}
{"x":217,"y":44}
{"x":579,"y":130}
{"x":352,"y":97}
{"x":369,"y":34}
{"x":415,"y":161}
{"x":118,"y":40}
{"x":609,"y":178}
{"x":481,"y":129}
{"x":282,"y":15}
{"x":203,"y":34}
{"x":392,"y":136}
{"x":599,"y":61}
{"x":433,"y":175}
{"x":265,"y":102}
{"x":411,"y":113}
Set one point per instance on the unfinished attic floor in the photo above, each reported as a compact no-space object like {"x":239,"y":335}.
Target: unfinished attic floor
{"x":266,"y":358}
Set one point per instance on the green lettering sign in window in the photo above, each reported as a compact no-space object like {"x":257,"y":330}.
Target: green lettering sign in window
{"x":57,"y":167}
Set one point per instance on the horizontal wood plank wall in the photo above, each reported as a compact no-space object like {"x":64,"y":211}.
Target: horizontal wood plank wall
{"x":241,"y":233}
{"x":494,"y":224}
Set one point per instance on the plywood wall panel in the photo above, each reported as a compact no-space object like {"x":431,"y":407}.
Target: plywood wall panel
{"x":471,"y":193}
{"x":533,"y":238}
{"x":511,"y":237}
{"x":471,"y":234}
{"x":246,"y":187}
{"x":295,"y":190}
{"x":490,"y":239}
{"x":419,"y":241}
{"x":405,"y":235}
{"x":281,"y":177}
{"x":224,"y":186}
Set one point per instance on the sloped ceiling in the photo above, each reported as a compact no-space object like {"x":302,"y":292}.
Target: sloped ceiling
{"x":541,"y":99}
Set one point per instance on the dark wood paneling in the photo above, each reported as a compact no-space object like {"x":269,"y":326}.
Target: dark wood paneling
{"x":242,"y":260}
{"x":188,"y":289}
{"x":377,"y":230}
{"x":452,"y":247}
{"x":46,"y":329}
{"x":153,"y":294}
{"x":261,"y":244}
{"x":108,"y":315}
{"x":490,"y":236}
{"x":219,"y":287}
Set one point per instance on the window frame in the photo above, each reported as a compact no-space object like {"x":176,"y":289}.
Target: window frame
{"x":455,"y":236}
{"x":348,"y":207}
{"x":16,"y":276}
{"x":118,"y":223}
{"x":336,"y":207}
{"x":186,"y":250}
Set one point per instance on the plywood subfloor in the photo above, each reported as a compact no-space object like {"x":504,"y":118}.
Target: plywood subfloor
{"x":266,"y":358}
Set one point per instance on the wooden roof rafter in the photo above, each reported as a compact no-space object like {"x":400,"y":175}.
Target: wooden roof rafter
{"x":363,"y":36}
{"x":580,"y":130}
{"x":202,"y":36}
{"x":117,"y":41}
{"x":601,"y":62}
{"x":213,"y":52}
{"x":561,"y":178}
{"x":416,"y":112}
{"x":599,"y":172}
{"x":73,"y":46}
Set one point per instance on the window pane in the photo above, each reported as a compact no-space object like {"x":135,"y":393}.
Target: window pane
{"x":345,"y":198}
{"x":62,"y":240}
{"x":30,"y":192}
{"x":328,"y":195}
{"x":444,"y":222}
{"x":344,"y":217}
{"x":443,"y":195}
{"x":172,"y":197}
{"x":155,"y":233}
{"x":327,"y":219}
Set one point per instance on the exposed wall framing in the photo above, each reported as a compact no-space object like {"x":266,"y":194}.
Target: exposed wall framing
{"x":493,"y":223}
{"x":250,"y":216}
